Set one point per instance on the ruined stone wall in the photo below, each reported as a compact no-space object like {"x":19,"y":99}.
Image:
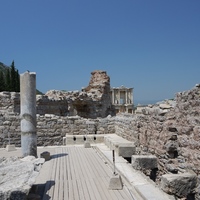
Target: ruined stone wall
{"x":170,"y":130}
{"x":9,"y":102}
{"x":51,"y":128}
{"x":92,"y":102}
{"x":125,"y":126}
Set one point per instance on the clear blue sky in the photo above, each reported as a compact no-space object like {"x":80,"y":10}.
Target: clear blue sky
{"x":151,"y":45}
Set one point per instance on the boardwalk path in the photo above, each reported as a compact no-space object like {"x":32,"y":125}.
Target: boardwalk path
{"x":78,"y":173}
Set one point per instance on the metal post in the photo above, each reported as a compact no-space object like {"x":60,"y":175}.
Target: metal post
{"x":113,"y":154}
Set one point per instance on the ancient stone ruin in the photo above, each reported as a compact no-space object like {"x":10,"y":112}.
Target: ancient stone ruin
{"x":92,"y":102}
{"x":165,"y":135}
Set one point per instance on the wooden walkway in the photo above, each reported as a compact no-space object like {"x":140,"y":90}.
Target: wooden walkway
{"x":79,"y":173}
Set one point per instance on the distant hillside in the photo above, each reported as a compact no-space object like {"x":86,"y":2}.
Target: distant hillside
{"x":4,"y":68}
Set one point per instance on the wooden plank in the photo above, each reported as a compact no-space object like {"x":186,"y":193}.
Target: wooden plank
{"x":94,"y":167}
{"x":89,"y":159}
{"x":95,"y":187}
{"x":81,"y":190}
{"x":57,"y":176}
{"x":106,"y":170}
{"x":73,"y":164}
{"x":75,"y":172}
{"x":85,"y":190}
{"x":88,"y":175}
{"x":87,"y":171}
{"x":75,"y":189}
{"x":71,"y":192}
{"x":50,"y":190}
{"x":77,"y":165}
{"x":90,"y":189}
{"x":103,"y":191}
{"x":65,"y":178}
{"x":61,"y":175}
{"x":70,"y":175}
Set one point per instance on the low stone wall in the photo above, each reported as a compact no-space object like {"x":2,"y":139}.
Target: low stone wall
{"x":51,"y":128}
{"x":9,"y":102}
{"x":126,"y":127}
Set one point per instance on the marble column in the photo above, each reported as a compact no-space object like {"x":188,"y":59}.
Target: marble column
{"x":113,"y":96}
{"x":28,"y":113}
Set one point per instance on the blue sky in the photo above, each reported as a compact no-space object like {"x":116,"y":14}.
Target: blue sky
{"x":150,"y":45}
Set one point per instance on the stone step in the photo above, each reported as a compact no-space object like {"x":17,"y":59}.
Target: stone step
{"x":144,"y":188}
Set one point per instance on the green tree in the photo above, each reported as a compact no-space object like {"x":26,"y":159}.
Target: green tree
{"x":17,"y":77}
{"x":13,"y":81}
{"x":2,"y":82}
{"x":8,"y":80}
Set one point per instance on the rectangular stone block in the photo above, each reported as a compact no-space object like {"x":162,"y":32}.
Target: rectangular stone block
{"x":79,"y":139}
{"x":98,"y":138}
{"x":179,"y":184}
{"x":69,"y":139}
{"x":126,"y":150}
{"x":144,"y":162}
{"x":10,"y":147}
{"x":64,"y":141}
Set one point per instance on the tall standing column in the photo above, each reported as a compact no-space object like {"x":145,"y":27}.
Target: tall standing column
{"x":113,"y":96}
{"x":28,"y":113}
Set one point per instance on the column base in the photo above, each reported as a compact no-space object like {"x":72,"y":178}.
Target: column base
{"x":10,"y":147}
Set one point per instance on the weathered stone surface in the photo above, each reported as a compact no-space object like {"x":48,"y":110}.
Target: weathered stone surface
{"x":179,"y":184}
{"x":144,"y":162}
{"x":92,"y":102}
{"x":10,"y":148}
{"x":17,"y":176}
{"x":115,"y":182}
{"x":126,"y":150}
{"x":46,"y":155}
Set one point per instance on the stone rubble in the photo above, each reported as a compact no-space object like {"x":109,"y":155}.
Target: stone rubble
{"x":17,"y":176}
{"x":180,"y":185}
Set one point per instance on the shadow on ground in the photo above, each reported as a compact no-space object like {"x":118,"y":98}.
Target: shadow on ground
{"x":58,"y":155}
{"x":41,"y":190}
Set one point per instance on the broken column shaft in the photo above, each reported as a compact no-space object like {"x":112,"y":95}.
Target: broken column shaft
{"x":28,"y":113}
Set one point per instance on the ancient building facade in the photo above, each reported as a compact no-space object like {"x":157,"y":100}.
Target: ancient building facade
{"x":122,"y":99}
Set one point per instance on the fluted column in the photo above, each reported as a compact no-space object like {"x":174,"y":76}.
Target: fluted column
{"x":28,"y":113}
